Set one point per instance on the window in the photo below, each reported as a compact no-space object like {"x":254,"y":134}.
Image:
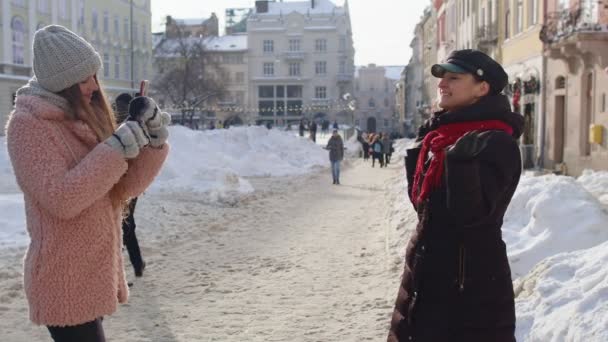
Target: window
{"x":240,"y":77}
{"x":532,"y":12}
{"x":268,"y":46}
{"x":342,"y":43}
{"x":94,"y":20}
{"x":507,"y":26}
{"x":294,"y":91}
{"x":280,"y":91}
{"x":371,"y":103}
{"x":144,"y":34}
{"x":386,"y":103}
{"x":603,"y":103}
{"x":386,"y":123}
{"x":135,"y":34}
{"x":321,"y":68}
{"x":294,"y":69}
{"x":268,"y":69}
{"x":265,"y":91}
{"x":18,"y":33}
{"x":106,"y":22}
{"x":116,"y":26}
{"x":106,"y":65}
{"x":127,"y":63}
{"x":342,"y":69}
{"x":81,"y":18}
{"x":63,"y":9}
{"x":43,"y":6}
{"x":20,"y":3}
{"x":240,"y":97}
{"x":126,"y":33}
{"x":320,"y":92}
{"x":117,"y":67}
{"x":321,"y":45}
{"x":294,"y":45}
{"x":520,"y":17}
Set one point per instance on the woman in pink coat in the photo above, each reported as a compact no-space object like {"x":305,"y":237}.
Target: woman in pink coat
{"x":76,"y":170}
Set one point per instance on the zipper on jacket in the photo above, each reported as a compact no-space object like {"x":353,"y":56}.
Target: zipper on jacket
{"x":461,"y":267}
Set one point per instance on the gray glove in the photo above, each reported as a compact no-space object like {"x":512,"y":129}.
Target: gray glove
{"x":128,"y":139}
{"x":157,"y":129}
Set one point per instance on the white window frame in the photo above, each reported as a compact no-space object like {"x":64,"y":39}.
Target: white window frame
{"x":321,"y":68}
{"x":63,"y":9}
{"x":268,"y":46}
{"x":321,"y":45}
{"x":320,"y":92}
{"x":94,"y":20}
{"x":117,"y":67}
{"x":18,"y":40}
{"x":294,"y":45}
{"x":43,"y":6}
{"x":106,"y":22}
{"x":106,"y":65}
{"x":268,"y":69}
{"x":294,"y":69}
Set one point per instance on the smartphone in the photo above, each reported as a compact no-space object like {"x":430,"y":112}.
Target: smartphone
{"x":143,"y":87}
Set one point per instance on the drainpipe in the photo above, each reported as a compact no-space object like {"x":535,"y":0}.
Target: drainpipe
{"x":543,"y":116}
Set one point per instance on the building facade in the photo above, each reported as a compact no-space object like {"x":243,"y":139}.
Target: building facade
{"x":375,"y":93}
{"x":124,"y":45}
{"x":414,"y":81}
{"x":576,"y":110}
{"x":301,"y":62}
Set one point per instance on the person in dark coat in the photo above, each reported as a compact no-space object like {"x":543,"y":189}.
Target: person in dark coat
{"x":313,"y":131}
{"x":335,"y":145}
{"x":301,"y":128}
{"x":129,"y":238}
{"x":376,"y":147}
{"x":462,"y":174}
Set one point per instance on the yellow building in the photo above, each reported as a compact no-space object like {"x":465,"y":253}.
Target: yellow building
{"x":522,"y":57}
{"x":119,"y":30}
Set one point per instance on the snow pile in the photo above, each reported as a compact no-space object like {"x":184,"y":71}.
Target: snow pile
{"x":596,"y":182}
{"x":8,"y":184}
{"x":401,"y":146}
{"x":548,"y":215}
{"x":353,"y":147}
{"x":565,"y":298}
{"x":216,"y":161}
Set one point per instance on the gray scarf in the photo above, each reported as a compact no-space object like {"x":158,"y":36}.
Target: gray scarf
{"x":33,"y":88}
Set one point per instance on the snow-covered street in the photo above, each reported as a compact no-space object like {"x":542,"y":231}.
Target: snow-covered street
{"x":302,"y":260}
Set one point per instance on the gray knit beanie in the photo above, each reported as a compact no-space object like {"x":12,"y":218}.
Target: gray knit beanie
{"x":62,"y":58}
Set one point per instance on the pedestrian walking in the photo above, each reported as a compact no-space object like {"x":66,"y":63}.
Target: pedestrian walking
{"x":376,"y":147}
{"x":301,"y":128}
{"x":387,"y":144}
{"x":456,"y":284}
{"x":313,"y":131}
{"x":76,"y":170}
{"x":335,"y":145}
{"x":365,"y":144}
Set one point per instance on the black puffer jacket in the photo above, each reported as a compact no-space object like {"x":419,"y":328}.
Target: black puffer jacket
{"x":456,"y":284}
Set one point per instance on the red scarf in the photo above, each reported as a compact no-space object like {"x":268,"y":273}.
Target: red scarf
{"x":436,"y":141}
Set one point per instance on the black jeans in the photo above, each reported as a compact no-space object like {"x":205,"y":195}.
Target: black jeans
{"x":130,"y":239}
{"x":86,"y":332}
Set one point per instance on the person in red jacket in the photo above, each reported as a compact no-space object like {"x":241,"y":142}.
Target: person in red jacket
{"x":456,"y":284}
{"x":76,"y":170}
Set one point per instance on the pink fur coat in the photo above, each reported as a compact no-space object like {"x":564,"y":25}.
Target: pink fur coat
{"x":73,"y":268}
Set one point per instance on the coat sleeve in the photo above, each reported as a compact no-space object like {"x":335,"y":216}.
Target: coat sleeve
{"x":43,"y":172}
{"x":144,"y":169}
{"x":475,"y":187}
{"x":411,"y":160}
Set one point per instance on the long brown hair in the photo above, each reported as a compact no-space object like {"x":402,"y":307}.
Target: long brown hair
{"x":100,"y":117}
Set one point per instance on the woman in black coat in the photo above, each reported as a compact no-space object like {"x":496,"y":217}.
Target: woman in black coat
{"x":456,"y":285}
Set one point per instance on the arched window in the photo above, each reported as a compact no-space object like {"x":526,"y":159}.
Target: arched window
{"x":18,"y":33}
{"x":560,"y":82}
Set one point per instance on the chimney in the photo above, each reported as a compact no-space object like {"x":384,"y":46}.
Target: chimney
{"x":261,"y":6}
{"x":312,"y":3}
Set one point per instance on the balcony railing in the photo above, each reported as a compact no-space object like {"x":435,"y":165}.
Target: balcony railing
{"x":294,"y":55}
{"x":344,"y":77}
{"x":562,"y":24}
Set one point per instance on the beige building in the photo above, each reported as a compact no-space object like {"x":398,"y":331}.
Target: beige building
{"x":104,"y":23}
{"x":429,"y":58}
{"x":522,"y":59}
{"x":301,"y":61}
{"x":193,"y":27}
{"x":375,"y":93}
{"x":576,"y":86}
{"x":400,"y":105}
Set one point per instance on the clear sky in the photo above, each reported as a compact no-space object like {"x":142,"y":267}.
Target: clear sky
{"x":382,"y":29}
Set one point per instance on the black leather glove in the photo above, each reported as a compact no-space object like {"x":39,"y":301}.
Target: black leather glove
{"x":468,"y":146}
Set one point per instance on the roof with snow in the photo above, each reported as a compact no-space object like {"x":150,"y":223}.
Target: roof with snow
{"x":228,"y":43}
{"x":303,"y":7}
{"x":190,"y":21}
{"x":392,"y":72}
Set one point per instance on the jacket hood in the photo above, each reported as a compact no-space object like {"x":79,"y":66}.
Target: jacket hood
{"x":491,"y":107}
